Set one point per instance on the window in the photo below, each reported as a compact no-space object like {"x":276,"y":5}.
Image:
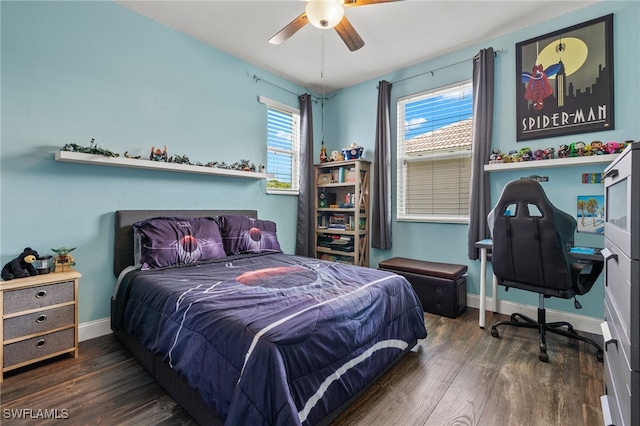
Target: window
{"x":283,"y":147}
{"x":434,"y":154}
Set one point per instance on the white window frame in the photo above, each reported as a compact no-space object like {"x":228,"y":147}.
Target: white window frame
{"x":294,"y":152}
{"x":461,"y":153}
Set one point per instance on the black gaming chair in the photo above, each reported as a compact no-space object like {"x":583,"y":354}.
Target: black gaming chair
{"x":531,"y":241}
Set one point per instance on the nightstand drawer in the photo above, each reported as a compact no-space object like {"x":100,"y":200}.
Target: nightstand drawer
{"x":38,"y":297}
{"x":37,"y":347}
{"x":39,"y":322}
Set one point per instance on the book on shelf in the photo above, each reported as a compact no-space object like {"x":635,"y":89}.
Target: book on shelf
{"x":351,"y":176}
{"x":341,"y":239}
{"x":337,"y":221}
{"x":344,"y":174}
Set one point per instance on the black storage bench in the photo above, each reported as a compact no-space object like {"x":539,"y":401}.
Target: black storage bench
{"x":441,"y":287}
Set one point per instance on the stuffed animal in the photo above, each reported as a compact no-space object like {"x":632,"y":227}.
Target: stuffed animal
{"x":21,"y":266}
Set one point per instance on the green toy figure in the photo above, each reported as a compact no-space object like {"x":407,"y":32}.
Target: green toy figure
{"x":63,"y":261}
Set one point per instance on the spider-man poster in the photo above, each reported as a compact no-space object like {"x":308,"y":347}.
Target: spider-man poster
{"x":564,"y":81}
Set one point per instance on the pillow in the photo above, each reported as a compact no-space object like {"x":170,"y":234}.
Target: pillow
{"x":243,"y":234}
{"x":168,"y":241}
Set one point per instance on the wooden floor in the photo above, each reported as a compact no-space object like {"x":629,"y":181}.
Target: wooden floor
{"x":459,"y":375}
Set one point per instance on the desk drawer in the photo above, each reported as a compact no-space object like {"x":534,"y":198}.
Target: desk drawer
{"x":38,"y":297}
{"x":622,"y":293}
{"x":38,"y":347}
{"x":614,"y":399}
{"x":617,"y":376}
{"x":618,"y":286}
{"x":621,"y":179}
{"x":38,"y":322}
{"x":623,"y":344}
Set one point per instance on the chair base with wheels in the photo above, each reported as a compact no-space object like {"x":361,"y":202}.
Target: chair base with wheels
{"x":520,"y":320}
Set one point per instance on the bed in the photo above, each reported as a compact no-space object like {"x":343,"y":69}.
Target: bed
{"x":253,"y":335}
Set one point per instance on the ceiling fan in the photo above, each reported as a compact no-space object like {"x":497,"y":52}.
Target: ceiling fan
{"x":326,"y":14}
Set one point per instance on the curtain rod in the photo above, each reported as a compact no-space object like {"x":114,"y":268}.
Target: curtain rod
{"x":495,"y":52}
{"x":257,"y":79}
{"x":314,"y":98}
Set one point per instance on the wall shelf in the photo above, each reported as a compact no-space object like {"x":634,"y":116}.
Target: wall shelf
{"x":556,"y":162}
{"x":101,"y":160}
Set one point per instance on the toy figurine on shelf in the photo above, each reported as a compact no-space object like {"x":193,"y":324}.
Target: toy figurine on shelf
{"x":323,"y":154}
{"x":549,"y":152}
{"x":336,"y":156}
{"x":63,"y":261}
{"x":563,"y":151}
{"x":596,"y":148}
{"x":576,"y":149}
{"x":158,"y":155}
{"x":539,"y":154}
{"x":612,"y":147}
{"x":526,"y":154}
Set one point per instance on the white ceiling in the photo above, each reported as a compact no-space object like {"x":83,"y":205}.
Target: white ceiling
{"x":396,"y":34}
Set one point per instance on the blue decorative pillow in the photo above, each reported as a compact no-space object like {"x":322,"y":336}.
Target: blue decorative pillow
{"x":169,"y":241}
{"x":243,"y":234}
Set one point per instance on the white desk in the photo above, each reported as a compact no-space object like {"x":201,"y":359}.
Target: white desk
{"x":484,"y":246}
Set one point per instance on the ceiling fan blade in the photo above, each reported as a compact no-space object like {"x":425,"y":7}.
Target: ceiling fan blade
{"x":351,"y":3}
{"x":349,"y":35}
{"x":291,"y":28}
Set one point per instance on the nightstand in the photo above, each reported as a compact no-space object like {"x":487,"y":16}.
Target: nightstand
{"x":39,"y":318}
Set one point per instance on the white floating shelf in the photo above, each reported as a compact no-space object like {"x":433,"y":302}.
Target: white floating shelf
{"x":555,"y":162}
{"x":101,"y":160}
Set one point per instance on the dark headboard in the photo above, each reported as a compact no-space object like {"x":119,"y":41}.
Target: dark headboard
{"x":123,"y":241}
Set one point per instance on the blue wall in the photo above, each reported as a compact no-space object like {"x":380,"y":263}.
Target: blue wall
{"x":72,"y":71}
{"x":351,"y":118}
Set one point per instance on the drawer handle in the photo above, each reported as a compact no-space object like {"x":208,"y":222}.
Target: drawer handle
{"x":41,"y":294}
{"x":40,"y":343}
{"x":607,"y":254}
{"x":41,"y":318}
{"x":606,"y":335}
{"x":606,"y":410}
{"x":610,"y":173}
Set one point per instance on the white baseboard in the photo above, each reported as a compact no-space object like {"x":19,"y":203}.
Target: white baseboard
{"x":579,"y":322}
{"x":92,"y":329}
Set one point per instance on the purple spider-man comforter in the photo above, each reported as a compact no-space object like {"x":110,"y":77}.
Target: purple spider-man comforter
{"x":272,"y":339}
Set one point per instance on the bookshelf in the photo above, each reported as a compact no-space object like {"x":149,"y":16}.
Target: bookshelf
{"x":342,"y":211}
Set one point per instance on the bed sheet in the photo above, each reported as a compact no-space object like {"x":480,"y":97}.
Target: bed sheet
{"x":271,"y":339}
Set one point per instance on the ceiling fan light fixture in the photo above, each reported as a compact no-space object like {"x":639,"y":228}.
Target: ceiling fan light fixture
{"x":324,"y":14}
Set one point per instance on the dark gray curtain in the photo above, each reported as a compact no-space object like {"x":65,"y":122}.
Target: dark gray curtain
{"x":305,"y":230}
{"x":480,"y":197}
{"x":381,"y":196}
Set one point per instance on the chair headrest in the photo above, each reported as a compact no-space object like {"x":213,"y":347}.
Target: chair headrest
{"x":526,"y":198}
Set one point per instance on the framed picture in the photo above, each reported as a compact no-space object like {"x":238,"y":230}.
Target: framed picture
{"x":590,"y":214}
{"x":564,"y":81}
{"x":324,"y":178}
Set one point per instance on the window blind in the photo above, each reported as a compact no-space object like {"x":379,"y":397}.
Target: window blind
{"x":434,"y":154}
{"x":283,"y":147}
